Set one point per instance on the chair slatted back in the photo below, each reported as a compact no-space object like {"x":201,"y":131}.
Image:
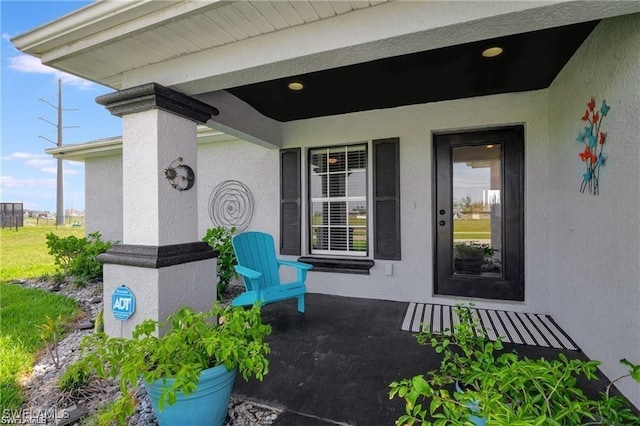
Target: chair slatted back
{"x":256,"y":250}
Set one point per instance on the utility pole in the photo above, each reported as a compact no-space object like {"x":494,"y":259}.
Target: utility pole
{"x":60,"y":186}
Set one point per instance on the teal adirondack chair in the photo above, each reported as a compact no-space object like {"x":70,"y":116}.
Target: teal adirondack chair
{"x":258,"y":266}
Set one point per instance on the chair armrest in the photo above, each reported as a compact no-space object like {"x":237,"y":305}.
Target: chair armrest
{"x":295,"y":264}
{"x":300,"y":266}
{"x":248,"y":272}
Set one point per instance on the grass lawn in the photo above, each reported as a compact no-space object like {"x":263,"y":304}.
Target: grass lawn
{"x":21,"y":311}
{"x":471,"y":229}
{"x":472,"y":225}
{"x":24,"y":254}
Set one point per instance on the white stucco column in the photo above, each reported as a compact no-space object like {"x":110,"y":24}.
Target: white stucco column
{"x":161,"y":258}
{"x":154,"y":213}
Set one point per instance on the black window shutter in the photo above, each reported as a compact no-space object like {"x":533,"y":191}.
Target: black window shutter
{"x":290,"y":224}
{"x":386,"y":199}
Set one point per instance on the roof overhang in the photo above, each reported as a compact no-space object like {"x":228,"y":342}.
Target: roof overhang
{"x":212,"y":49}
{"x":113,"y":146}
{"x":202,"y":46}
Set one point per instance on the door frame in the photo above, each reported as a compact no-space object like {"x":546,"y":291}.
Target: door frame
{"x":511,"y":286}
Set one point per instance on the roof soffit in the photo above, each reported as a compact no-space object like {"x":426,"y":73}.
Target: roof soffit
{"x":388,"y":29}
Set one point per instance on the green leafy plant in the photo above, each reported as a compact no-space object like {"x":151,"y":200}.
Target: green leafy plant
{"x":191,"y":342}
{"x":77,"y":256}
{"x":504,"y":388}
{"x":467,"y":249}
{"x":219,"y":238}
{"x":50,"y":334}
{"x":58,"y":278}
{"x":98,"y":325}
{"x":74,"y":378}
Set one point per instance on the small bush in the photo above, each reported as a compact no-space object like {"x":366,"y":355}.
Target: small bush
{"x":77,"y":256}
{"x":58,"y":278}
{"x":51,"y":334}
{"x":219,"y":238}
{"x":74,"y":378}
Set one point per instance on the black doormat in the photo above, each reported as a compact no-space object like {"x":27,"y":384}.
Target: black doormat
{"x":514,"y":327}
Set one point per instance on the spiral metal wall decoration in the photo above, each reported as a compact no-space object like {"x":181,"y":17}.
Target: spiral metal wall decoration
{"x":231,"y":204}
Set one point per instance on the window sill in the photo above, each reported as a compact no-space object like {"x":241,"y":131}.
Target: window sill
{"x":343,"y":266}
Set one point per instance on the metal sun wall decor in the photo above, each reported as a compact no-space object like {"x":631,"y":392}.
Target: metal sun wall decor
{"x":231,"y":204}
{"x":593,"y":139}
{"x":180,"y":176}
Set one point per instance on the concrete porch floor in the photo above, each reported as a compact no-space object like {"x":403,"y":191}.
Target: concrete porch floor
{"x":333,"y":364}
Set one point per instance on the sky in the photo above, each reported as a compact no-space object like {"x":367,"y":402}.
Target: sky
{"x":27,"y":174}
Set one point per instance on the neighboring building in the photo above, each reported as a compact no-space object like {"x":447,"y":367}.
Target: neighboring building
{"x":357,"y":172}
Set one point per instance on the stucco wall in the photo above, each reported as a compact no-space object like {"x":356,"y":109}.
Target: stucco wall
{"x":103,"y":196}
{"x":258,"y":169}
{"x":412,"y":277}
{"x":254,"y":166}
{"x":594,"y":241}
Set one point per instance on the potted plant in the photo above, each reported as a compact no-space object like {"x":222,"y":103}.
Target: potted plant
{"x":468,"y":256}
{"x":477,"y":384}
{"x":196,"y":356}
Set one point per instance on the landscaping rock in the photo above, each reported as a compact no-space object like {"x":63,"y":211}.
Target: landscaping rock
{"x":41,"y":388}
{"x":85,"y":325}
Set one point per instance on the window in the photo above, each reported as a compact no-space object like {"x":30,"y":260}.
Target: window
{"x":338,"y":208}
{"x":338,"y":200}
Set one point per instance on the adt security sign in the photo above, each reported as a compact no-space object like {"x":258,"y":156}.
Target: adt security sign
{"x":123,"y":303}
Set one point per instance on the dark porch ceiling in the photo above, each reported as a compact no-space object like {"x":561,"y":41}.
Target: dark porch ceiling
{"x":530,"y":61}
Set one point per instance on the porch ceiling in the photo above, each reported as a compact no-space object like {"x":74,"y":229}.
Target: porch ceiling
{"x":530,"y":61}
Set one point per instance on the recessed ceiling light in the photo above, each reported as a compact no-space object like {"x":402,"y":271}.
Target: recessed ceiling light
{"x":492,"y":52}
{"x":489,"y":146}
{"x":295,"y":86}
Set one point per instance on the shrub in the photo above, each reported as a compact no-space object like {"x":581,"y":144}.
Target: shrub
{"x":76,"y":377}
{"x":77,"y":256}
{"x":219,"y":238}
{"x":464,"y":249}
{"x":503,"y":388}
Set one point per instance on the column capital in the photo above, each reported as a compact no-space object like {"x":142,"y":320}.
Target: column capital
{"x":156,"y":96}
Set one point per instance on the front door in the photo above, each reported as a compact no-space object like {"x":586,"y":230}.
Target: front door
{"x":479,"y":214}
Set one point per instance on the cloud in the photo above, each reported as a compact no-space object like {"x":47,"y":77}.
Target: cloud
{"x":11,"y":182}
{"x":65,"y":170}
{"x":6,"y":36}
{"x":32,"y":65}
{"x":40,"y":162}
{"x":25,"y":156}
{"x":45,"y":163}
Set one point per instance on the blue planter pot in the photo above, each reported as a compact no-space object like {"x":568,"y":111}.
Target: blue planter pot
{"x":478,"y":421}
{"x":206,"y":406}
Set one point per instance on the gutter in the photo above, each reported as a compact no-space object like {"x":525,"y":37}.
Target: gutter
{"x":113,"y":146}
{"x":102,"y":22}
